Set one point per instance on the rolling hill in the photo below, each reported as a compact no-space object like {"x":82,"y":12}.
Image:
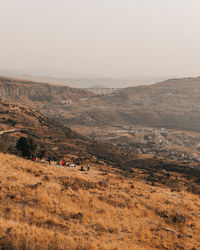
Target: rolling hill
{"x":171,"y":104}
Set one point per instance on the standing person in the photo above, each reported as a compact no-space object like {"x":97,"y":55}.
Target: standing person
{"x":49,"y":160}
{"x":34,"y":159}
{"x":88,"y":167}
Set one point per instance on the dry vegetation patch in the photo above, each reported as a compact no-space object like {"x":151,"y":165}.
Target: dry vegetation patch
{"x":50,"y":207}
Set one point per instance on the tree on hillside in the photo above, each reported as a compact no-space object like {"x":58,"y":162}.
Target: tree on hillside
{"x":41,"y":153}
{"x":26,"y":146}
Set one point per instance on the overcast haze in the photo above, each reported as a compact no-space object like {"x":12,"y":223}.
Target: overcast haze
{"x":105,"y":37}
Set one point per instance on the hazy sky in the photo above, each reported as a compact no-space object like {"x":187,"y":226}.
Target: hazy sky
{"x":107,"y":37}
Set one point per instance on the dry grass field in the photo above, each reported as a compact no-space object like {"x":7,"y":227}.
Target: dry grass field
{"x":54,"y":207}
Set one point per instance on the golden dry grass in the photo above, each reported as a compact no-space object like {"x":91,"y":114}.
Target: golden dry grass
{"x":50,"y":207}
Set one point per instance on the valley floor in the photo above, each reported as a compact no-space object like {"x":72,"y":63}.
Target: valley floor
{"x":54,"y":207}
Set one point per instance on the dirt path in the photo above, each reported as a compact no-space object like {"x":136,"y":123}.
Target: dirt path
{"x":10,"y":131}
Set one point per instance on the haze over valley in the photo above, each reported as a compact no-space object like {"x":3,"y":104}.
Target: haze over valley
{"x":76,"y":80}
{"x":99,"y":125}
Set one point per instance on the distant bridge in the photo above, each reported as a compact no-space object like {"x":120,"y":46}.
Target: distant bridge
{"x":103,"y":91}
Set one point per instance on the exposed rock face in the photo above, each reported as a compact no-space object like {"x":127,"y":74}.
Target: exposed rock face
{"x":15,"y":90}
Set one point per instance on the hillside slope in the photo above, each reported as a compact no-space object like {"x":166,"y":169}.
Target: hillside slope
{"x":50,"y":207}
{"x":60,"y":142}
{"x":36,"y":94}
{"x":172,"y":104}
{"x":50,"y":135}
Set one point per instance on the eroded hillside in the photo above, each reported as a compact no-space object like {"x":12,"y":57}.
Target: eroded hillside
{"x":37,"y":94}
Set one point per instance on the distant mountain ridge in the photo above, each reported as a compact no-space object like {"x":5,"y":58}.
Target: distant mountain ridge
{"x":79,"y":80}
{"x":173,"y":103}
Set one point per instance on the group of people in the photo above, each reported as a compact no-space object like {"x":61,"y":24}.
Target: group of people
{"x":67,"y":164}
{"x":64,"y":163}
{"x":88,"y":168}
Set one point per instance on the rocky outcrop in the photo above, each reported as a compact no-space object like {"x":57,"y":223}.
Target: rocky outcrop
{"x":16,"y":90}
